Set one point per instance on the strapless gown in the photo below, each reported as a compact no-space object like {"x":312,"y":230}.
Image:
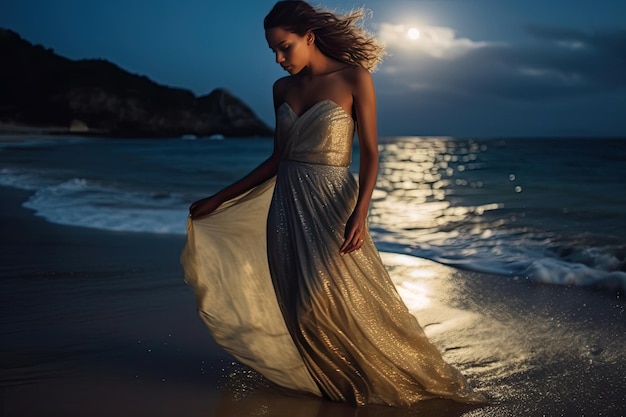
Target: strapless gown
{"x":276,"y":294}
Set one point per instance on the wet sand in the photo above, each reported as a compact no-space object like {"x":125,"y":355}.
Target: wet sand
{"x":99,"y":323}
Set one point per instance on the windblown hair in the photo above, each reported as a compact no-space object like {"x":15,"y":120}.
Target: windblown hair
{"x":337,"y":36}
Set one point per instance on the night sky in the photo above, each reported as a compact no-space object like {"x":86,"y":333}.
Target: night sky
{"x":477,"y":68}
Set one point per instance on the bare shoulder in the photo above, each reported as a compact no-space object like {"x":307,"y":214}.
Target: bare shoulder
{"x":360,"y":81}
{"x":356,"y":75}
{"x":280,"y":88}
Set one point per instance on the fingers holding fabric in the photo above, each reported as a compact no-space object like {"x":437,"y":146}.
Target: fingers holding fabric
{"x":351,"y":245}
{"x":354,"y":234}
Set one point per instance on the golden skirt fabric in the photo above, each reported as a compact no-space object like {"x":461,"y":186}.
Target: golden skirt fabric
{"x":275,"y":292}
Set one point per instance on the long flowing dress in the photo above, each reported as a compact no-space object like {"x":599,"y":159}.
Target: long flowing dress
{"x":276,"y":294}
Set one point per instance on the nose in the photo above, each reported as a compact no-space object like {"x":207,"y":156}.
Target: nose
{"x":279,"y":57}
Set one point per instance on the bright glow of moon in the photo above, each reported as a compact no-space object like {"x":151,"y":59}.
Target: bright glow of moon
{"x":413,"y":33}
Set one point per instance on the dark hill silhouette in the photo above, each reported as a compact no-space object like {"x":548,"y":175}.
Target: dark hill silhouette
{"x":39,"y":88}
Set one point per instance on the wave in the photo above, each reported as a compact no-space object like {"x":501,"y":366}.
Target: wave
{"x":80,"y":202}
{"x":23,"y":180}
{"x":95,"y":204}
{"x":518,"y":253}
{"x":530,"y":256}
{"x":11,"y":141}
{"x":557,"y":271}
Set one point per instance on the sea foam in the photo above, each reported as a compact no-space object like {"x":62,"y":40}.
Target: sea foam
{"x":89,"y":203}
{"x":565,"y":228}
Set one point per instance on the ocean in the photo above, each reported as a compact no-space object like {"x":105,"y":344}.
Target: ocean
{"x":544,"y":210}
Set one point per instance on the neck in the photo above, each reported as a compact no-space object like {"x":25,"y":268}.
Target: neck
{"x":321,"y":64}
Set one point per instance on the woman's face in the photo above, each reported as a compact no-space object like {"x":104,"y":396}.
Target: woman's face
{"x":292,"y":50}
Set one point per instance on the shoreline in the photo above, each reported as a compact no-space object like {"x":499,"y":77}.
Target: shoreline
{"x":101,"y":323}
{"x":17,"y":131}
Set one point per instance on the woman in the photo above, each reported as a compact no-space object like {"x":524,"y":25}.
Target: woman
{"x":287,"y":277}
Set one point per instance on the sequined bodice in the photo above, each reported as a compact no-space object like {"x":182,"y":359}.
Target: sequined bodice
{"x":322,"y":135}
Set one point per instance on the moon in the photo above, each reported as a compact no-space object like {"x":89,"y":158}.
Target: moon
{"x":413,"y":33}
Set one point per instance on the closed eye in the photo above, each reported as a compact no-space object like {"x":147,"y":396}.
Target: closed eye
{"x":283,"y":47}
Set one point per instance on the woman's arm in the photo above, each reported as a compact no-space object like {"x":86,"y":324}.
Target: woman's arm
{"x":364,"y":96}
{"x":260,"y":174}
{"x":263,"y":172}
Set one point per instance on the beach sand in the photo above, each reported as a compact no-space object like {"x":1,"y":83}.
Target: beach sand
{"x":99,"y":323}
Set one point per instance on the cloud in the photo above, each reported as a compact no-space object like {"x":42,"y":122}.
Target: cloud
{"x":553,"y":63}
{"x":434,"y":41}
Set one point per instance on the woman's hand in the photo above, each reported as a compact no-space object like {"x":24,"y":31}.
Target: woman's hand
{"x":354,"y":234}
{"x":204,"y":207}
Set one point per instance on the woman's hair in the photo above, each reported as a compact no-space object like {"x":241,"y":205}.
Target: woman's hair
{"x":336,"y":36}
